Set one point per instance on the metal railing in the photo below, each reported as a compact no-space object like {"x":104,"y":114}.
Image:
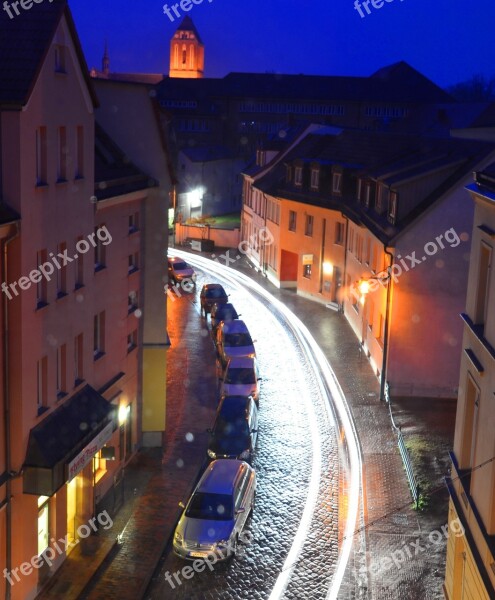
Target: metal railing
{"x":404,"y":452}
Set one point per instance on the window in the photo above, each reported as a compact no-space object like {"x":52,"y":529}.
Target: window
{"x":42,"y":285}
{"x":288,"y":174}
{"x":367,"y":195}
{"x":298,"y":173}
{"x":367,"y":254}
{"x":292,"y":220}
{"x":132,"y":341}
{"x":381,"y":198}
{"x":470,"y":424}
{"x":337,"y":183}
{"x":79,"y":267}
{"x":132,"y":302}
{"x":392,"y":207}
{"x":315,"y":178}
{"x":42,"y":388}
{"x":41,"y":156}
{"x":61,"y":272}
{"x":79,"y":152}
{"x":62,"y":155}
{"x":308,"y":230}
{"x":359,"y":247}
{"x":43,"y":524}
{"x":61,"y":371}
{"x":78,"y":359}
{"x":99,"y":466}
{"x":134,"y":222}
{"x":481,"y":308}
{"x":307,"y":271}
{"x":100,"y":250}
{"x":359,"y":189}
{"x":184,"y":55}
{"x":133,"y":262}
{"x":339,"y":233}
{"x":99,"y":335}
{"x":60,"y":55}
{"x":350,"y":244}
{"x":374,"y":258}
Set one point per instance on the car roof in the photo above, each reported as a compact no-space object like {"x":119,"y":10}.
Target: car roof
{"x":174,"y":259}
{"x":241,"y":362}
{"x":237,"y":326}
{"x":232,"y":407}
{"x":212,"y":286}
{"x":221,"y":475}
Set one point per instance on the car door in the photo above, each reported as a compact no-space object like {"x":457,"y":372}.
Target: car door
{"x":241,"y":495}
{"x":253,"y":424}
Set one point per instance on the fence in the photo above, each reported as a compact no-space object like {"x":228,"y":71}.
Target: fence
{"x":404,"y":452}
{"x":223,"y":238}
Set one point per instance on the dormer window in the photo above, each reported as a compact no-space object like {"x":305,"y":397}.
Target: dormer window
{"x":315,"y":178}
{"x":288,"y":173}
{"x":392,"y":207}
{"x":381,"y":198}
{"x":367,"y":194}
{"x":337,"y":183}
{"x":298,"y":176}
{"x":359,"y":190}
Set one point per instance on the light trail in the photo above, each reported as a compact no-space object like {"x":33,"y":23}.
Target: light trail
{"x":328,"y":384}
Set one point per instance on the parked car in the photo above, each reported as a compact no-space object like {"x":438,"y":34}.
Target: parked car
{"x":222,"y":312}
{"x":241,"y":378}
{"x":233,"y":339}
{"x":178,"y":270}
{"x":217,"y":511}
{"x":235,"y":430}
{"x":212,"y":293}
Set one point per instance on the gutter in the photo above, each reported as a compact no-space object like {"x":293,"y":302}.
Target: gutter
{"x":8,"y":465}
{"x":383,"y":377}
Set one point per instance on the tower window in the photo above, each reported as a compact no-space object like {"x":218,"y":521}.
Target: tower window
{"x":184,"y":55}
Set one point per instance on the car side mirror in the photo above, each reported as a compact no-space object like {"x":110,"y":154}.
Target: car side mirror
{"x":260,"y":378}
{"x":240,"y":510}
{"x":254,"y":431}
{"x":182,"y":505}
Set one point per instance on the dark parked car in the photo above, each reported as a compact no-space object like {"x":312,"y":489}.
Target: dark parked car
{"x":212,"y":293}
{"x":235,"y":430}
{"x":222,"y":312}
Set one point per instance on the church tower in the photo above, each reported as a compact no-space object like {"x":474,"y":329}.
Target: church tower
{"x":105,"y":63}
{"x":187,"y":52}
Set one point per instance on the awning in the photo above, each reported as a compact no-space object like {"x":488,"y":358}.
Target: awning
{"x":59,"y":438}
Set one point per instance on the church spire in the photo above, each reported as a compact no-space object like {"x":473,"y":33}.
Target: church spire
{"x":105,"y":63}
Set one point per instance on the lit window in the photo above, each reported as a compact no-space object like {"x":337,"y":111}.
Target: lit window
{"x":309,"y":225}
{"x":307,"y":271}
{"x":339,"y":233}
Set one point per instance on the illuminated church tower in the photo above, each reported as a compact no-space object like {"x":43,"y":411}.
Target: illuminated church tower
{"x":187,"y":52}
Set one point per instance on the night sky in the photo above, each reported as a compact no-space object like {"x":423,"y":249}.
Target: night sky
{"x":447,"y":40}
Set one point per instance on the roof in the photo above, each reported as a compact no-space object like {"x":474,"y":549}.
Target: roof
{"x":220,"y":476}
{"x":145,"y":78}
{"x":392,"y":159}
{"x":24,"y":44}
{"x":188,"y":25}
{"x":208,"y":153}
{"x":396,"y":83}
{"x":115,"y":174}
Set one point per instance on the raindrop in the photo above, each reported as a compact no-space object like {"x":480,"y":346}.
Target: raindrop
{"x":189,"y":437}
{"x":83,"y":426}
{"x":212,"y":532}
{"x":138,"y":313}
{"x":180,"y":463}
{"x":80,"y":298}
{"x":439,"y":263}
{"x":464,"y":236}
{"x":415,"y":318}
{"x":221,"y":509}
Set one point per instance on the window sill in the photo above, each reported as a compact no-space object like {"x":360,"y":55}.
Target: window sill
{"x":78,"y":177}
{"x":97,"y":355}
{"x":60,"y":72}
{"x":42,"y":410}
{"x":99,"y":475}
{"x":41,"y":185}
{"x":99,"y":267}
{"x":61,"y":295}
{"x":132,"y":270}
{"x":41,"y":304}
{"x":131,"y":348}
{"x":61,"y":396}
{"x":78,"y":382}
{"x":133,"y":230}
{"x":78,"y":286}
{"x":131,"y":310}
{"x":61,"y":180}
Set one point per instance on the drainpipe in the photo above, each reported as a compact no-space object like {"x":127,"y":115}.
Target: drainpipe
{"x":383,"y":378}
{"x":345,"y":258}
{"x":8,"y":465}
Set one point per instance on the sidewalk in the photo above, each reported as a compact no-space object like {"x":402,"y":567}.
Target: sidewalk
{"x":151,"y":509}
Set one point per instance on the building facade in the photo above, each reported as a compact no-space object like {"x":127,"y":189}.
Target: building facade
{"x":470,"y":571}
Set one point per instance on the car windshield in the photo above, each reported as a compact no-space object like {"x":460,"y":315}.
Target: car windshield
{"x":240,"y":376}
{"x":215,"y":293}
{"x":237,"y":428}
{"x":214,"y":507}
{"x":237,"y":340}
{"x":180,"y":266}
